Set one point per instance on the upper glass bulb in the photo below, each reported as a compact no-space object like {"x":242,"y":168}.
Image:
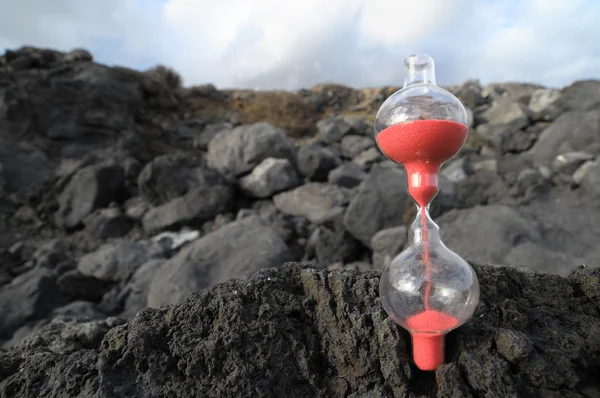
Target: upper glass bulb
{"x":420,"y":98}
{"x":421,"y":126}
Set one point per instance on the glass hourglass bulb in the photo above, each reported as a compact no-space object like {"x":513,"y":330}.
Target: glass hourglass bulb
{"x":427,"y":289}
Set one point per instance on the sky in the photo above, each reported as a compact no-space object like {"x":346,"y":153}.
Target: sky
{"x":292,"y":44}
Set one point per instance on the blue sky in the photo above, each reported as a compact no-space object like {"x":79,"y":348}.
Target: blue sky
{"x":292,"y":44}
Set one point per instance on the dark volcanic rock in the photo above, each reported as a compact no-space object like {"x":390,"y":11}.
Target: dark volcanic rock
{"x":235,"y":250}
{"x":315,"y":162}
{"x":114,"y":262}
{"x":314,"y":201}
{"x":347,"y":175}
{"x":90,"y":188}
{"x":292,"y":332}
{"x":331,"y":243}
{"x":333,"y":129}
{"x":572,"y":131}
{"x":200,"y":204}
{"x":170,"y":176}
{"x":269,"y":177}
{"x":380,"y":203}
{"x":30,"y":296}
{"x":239,"y":150}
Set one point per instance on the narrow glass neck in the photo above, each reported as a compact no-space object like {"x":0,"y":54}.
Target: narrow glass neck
{"x":419,"y":69}
{"x":422,"y":225}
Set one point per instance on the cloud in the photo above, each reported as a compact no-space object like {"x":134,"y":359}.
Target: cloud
{"x":274,"y":44}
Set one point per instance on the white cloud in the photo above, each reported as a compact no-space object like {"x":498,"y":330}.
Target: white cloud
{"x":292,"y":44}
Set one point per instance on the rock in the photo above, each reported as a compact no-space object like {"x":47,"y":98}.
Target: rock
{"x":30,"y":296}
{"x":482,"y":187}
{"x":360,"y":126}
{"x":331,"y":243}
{"x":353,"y":145}
{"x":136,"y":290}
{"x":520,"y":92}
{"x":567,"y":163}
{"x":269,"y":177}
{"x":486,"y":165}
{"x":271,"y":315}
{"x":581,"y":172}
{"x":211,"y":260}
{"x":590,"y":181}
{"x":66,"y":336}
{"x":203,"y":139}
{"x":488,"y":232}
{"x":470,"y":93}
{"x":81,"y":287}
{"x":367,"y":158}
{"x":200,"y":204}
{"x":108,"y":223}
{"x":114,"y":262}
{"x":172,"y":240}
{"x":22,"y":167}
{"x":581,"y":96}
{"x":504,"y":120}
{"x":572,"y":131}
{"x":387,"y":244}
{"x":81,"y":310}
{"x":90,"y":188}
{"x":78,"y":55}
{"x":170,"y":176}
{"x":513,"y":345}
{"x":314,"y":201}
{"x":455,"y":170}
{"x":381,"y":201}
{"x":545,"y":104}
{"x":239,"y":150}
{"x":505,"y":235}
{"x":136,"y":207}
{"x":315,"y":162}
{"x":348,"y":175}
{"x":530,"y":184}
{"x":333,"y":129}
{"x":81,"y":103}
{"x":50,"y":254}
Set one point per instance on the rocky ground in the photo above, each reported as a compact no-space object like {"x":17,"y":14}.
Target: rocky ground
{"x":121,"y":190}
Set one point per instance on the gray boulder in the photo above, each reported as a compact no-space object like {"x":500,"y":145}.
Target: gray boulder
{"x":315,"y":162}
{"x":545,"y":105}
{"x":269,"y":177}
{"x":314,"y":201}
{"x":352,"y":145}
{"x":114,"y":262}
{"x":239,"y":150}
{"x":348,"y":175}
{"x":581,"y":96}
{"x":590,"y":181}
{"x":387,"y":244}
{"x":90,"y":188}
{"x":572,"y":131}
{"x":380,"y":203}
{"x":235,"y":250}
{"x":170,"y":176}
{"x":332,"y":129}
{"x":200,"y":204}
{"x":30,"y":296}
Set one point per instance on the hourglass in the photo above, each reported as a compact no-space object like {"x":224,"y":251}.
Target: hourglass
{"x":427,"y":288}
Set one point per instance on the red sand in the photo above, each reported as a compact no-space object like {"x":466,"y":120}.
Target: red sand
{"x":421,"y":146}
{"x":428,"y":329}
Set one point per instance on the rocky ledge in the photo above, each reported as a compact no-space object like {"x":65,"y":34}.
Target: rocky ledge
{"x":296,"y":331}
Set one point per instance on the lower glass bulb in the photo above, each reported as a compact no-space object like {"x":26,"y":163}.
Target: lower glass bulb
{"x":428,"y":290}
